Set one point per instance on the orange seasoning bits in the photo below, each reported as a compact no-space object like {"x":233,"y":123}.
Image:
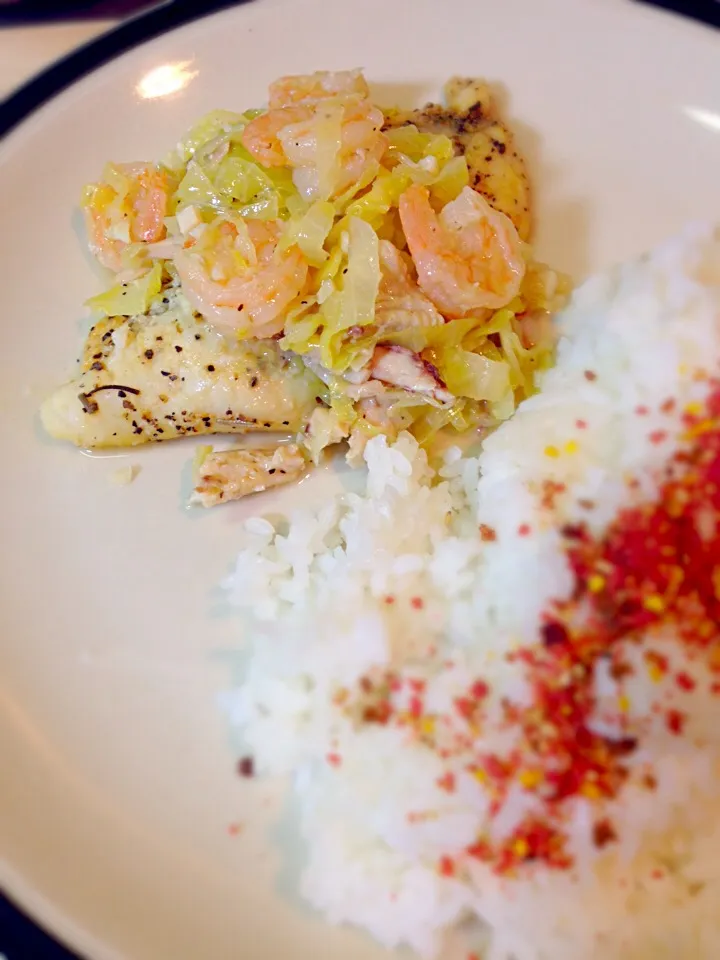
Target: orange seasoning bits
{"x":653,"y":567}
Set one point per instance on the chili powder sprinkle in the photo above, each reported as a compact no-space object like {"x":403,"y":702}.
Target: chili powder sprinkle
{"x":656,"y":566}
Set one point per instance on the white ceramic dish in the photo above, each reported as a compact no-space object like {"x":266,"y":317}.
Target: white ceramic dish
{"x":118,"y":785}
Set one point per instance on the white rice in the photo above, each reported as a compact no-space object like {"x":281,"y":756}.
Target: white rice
{"x":317,"y":599}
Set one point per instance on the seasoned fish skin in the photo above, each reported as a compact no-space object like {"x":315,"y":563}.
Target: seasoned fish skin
{"x":226,"y":475}
{"x":497,"y":170}
{"x":155,"y":378}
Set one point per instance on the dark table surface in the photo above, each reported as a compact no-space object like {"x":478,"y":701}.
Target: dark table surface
{"x":45,"y":11}
{"x":20,"y":939}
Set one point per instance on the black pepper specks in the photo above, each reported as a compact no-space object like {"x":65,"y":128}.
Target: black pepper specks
{"x":149,"y":354}
{"x":88,"y":405}
{"x":211,"y":368}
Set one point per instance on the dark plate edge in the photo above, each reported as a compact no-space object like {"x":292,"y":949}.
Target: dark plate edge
{"x":147,"y":25}
{"x":21,"y":104}
{"x":131,"y":33}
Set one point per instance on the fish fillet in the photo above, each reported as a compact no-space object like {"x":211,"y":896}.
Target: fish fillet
{"x":158,"y":377}
{"x":470,"y":119}
{"x":225,"y":475}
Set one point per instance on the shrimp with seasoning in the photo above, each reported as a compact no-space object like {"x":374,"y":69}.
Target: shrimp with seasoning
{"x":400,"y":302}
{"x":326,"y":130}
{"x":130,"y":209}
{"x":472,"y":121}
{"x":234,"y":276}
{"x":468,"y":257}
{"x":316,"y":86}
{"x":313,"y":219}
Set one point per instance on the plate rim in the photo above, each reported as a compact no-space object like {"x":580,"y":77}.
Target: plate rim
{"x":57,"y":945}
{"x":21,"y":104}
{"x":96,"y":53}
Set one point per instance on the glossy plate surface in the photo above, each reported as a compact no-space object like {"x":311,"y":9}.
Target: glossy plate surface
{"x":123,"y":824}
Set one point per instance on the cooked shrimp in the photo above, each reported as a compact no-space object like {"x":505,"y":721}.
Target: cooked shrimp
{"x":400,"y":302}
{"x":468,"y":257}
{"x":329,"y":143}
{"x":261,"y":136}
{"x":471,"y":120}
{"x":116,"y":219}
{"x":316,"y":86}
{"x":238,"y":281}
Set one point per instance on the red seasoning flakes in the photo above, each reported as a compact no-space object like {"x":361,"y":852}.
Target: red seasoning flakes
{"x":447,"y":782}
{"x":685,"y":681}
{"x":550,"y":492}
{"x":603,"y":833}
{"x":655,"y":566}
{"x":675,"y":721}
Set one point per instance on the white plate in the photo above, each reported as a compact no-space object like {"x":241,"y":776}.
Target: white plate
{"x":118,"y":780}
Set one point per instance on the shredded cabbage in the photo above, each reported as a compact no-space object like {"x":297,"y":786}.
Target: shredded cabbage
{"x":328,"y":133}
{"x":209,"y":128}
{"x":353,"y":306}
{"x":451,"y":181}
{"x":385,"y":193}
{"x":309,"y":231}
{"x":129,"y":299}
{"x":197,"y":188}
{"x":471,"y":375}
{"x":329,"y":425}
{"x":488,"y":362}
{"x":236,"y":184}
{"x":407,"y":141}
{"x":201,"y":454}
{"x":251,"y":190}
